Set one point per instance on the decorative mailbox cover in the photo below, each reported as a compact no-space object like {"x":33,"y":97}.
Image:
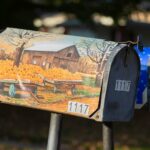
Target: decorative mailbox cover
{"x":86,"y":77}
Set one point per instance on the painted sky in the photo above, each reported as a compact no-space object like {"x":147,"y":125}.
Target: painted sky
{"x":54,"y":45}
{"x":55,"y":42}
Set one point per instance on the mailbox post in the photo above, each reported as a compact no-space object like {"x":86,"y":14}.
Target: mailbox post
{"x":108,"y":137}
{"x":54,"y":132}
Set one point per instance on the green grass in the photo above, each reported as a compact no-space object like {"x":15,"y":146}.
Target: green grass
{"x":132,"y":148}
{"x":100,"y":147}
{"x":7,"y":146}
{"x":85,"y":93}
{"x":89,"y":81}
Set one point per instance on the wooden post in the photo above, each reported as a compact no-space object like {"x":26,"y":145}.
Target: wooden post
{"x":54,"y":132}
{"x":108,"y":141}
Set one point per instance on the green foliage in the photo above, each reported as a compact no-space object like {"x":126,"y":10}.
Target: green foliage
{"x":16,"y":13}
{"x":84,"y":9}
{"x":89,"y":81}
{"x":85,"y":93}
{"x":20,"y":14}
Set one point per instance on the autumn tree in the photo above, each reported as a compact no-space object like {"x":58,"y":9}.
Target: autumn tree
{"x":85,"y":65}
{"x":4,"y":55}
{"x":98,"y":51}
{"x":21,"y":39}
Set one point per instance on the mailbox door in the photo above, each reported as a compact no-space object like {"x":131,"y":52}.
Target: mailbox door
{"x":122,"y":85}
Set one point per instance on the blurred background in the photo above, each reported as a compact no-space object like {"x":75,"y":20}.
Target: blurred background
{"x":27,"y":129}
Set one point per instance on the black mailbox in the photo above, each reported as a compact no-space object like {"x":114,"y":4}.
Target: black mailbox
{"x":119,"y":85}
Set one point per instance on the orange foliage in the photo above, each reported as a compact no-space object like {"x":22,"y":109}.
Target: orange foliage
{"x":24,"y":71}
{"x":61,"y":74}
{"x":34,"y":73}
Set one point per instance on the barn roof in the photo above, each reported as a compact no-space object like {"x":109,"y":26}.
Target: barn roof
{"x":54,"y":45}
{"x":63,"y":42}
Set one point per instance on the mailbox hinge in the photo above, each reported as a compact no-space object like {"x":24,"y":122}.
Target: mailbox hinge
{"x":138,"y":42}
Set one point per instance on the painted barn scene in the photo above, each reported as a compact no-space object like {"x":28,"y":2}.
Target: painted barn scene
{"x":45,"y":71}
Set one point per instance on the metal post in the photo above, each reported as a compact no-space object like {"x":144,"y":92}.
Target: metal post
{"x":108,"y":141}
{"x":54,"y":132}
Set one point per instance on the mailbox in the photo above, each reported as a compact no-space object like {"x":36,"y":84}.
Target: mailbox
{"x":85,"y":77}
{"x":143,"y":85}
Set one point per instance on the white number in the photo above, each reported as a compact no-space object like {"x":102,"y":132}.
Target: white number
{"x":76,"y":107}
{"x":122,"y":85}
